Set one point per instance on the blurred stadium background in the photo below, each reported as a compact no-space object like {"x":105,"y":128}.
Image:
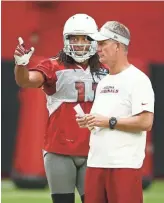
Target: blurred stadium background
{"x":23,"y":111}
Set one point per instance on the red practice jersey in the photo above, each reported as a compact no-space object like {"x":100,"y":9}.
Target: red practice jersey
{"x":64,"y":88}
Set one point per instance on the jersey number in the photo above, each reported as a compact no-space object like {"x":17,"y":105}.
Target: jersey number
{"x":80,"y":87}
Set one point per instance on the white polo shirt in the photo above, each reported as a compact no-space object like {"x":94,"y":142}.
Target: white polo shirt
{"x":122,"y":95}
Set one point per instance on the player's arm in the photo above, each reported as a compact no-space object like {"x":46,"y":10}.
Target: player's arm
{"x":24,"y":77}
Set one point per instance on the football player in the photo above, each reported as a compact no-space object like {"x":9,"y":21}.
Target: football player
{"x":67,"y":79}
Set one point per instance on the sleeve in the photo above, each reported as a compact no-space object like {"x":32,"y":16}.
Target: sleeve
{"x":142,"y":96}
{"x":48,"y":69}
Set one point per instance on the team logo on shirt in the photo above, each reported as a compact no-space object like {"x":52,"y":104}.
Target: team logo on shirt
{"x":109,"y":89}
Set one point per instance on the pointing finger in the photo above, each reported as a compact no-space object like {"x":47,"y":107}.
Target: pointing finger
{"x":20,"y":40}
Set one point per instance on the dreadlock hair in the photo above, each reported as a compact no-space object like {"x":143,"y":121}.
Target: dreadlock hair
{"x":93,"y":62}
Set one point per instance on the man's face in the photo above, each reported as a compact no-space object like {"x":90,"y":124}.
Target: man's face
{"x":107,"y":51}
{"x":79,"y":43}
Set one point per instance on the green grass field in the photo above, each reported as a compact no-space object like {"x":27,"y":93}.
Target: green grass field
{"x":10,"y":194}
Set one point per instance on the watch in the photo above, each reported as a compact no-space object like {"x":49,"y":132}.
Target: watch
{"x":112,"y":122}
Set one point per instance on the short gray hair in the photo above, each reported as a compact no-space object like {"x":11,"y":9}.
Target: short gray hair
{"x":117,"y":28}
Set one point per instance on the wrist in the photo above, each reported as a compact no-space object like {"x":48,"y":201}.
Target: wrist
{"x":20,"y":66}
{"x":105,"y":123}
{"x":112,"y":123}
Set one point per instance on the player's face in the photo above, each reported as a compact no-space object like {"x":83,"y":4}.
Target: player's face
{"x":107,"y":51}
{"x":80,"y":44}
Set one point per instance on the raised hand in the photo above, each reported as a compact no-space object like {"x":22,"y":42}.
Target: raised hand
{"x":21,"y":54}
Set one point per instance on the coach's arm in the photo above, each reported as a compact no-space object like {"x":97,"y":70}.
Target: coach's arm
{"x":139,"y":122}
